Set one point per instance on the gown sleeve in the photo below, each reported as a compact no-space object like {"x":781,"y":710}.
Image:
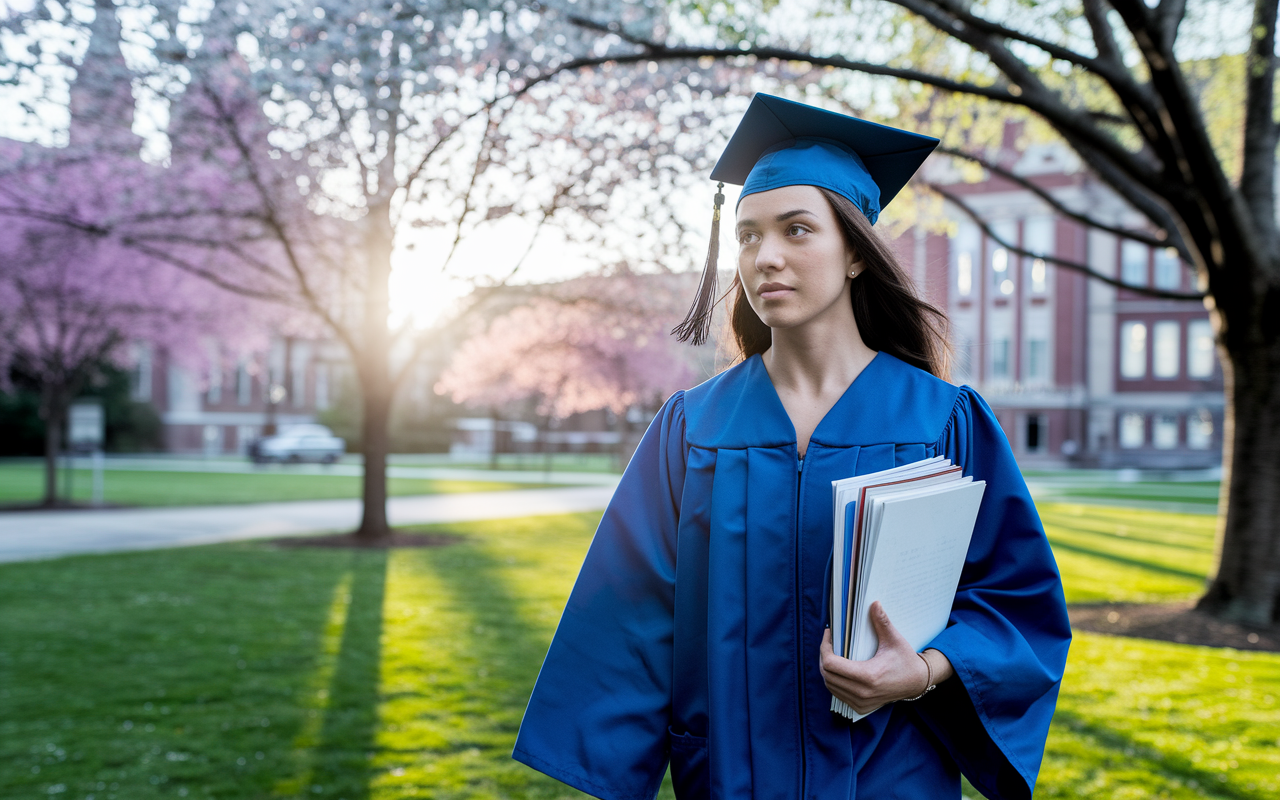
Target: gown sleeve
{"x":599,"y":713}
{"x":1008,"y":633}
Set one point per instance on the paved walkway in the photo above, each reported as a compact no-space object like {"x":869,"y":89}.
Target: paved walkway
{"x":30,"y":535}
{"x":244,"y":466}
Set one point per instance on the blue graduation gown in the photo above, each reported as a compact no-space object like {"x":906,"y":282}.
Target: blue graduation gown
{"x":692,"y":634}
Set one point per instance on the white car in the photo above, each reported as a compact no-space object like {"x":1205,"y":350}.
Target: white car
{"x":299,"y":443}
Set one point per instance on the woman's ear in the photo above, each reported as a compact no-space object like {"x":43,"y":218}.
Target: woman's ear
{"x":855,"y":269}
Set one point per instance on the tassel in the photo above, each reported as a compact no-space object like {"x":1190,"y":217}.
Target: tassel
{"x":697,"y":323}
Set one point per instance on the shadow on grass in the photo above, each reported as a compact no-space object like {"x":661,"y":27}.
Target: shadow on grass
{"x":1111,"y":536}
{"x":1058,"y":544}
{"x":1176,"y":765}
{"x":343,"y":767}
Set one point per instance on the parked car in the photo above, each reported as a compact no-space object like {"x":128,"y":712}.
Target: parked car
{"x":298,"y":443}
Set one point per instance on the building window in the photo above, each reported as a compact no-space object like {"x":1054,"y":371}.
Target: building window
{"x":1200,"y":430}
{"x":1168,"y":269}
{"x":214,"y":394}
{"x":244,"y":384}
{"x":1000,"y":358}
{"x":322,"y":387}
{"x":1133,"y":430}
{"x":1133,"y":350}
{"x":964,"y":274}
{"x":1000,"y":276}
{"x":1199,"y":349}
{"x":1039,"y":276}
{"x":1166,"y":335}
{"x":1133,"y":263}
{"x":1164,"y":431}
{"x":140,"y":375}
{"x":1038,"y":237}
{"x":298,"y":384}
{"x":1036,"y":434}
{"x":1037,"y":359}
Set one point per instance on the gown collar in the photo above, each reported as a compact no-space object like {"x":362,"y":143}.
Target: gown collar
{"x":889,"y":401}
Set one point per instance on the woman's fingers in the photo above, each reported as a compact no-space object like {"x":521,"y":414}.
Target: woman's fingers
{"x":887,"y":635}
{"x":894,"y":673}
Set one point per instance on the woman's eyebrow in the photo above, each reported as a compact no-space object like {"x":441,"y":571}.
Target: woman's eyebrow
{"x":783,"y":217}
{"x":789,"y":214}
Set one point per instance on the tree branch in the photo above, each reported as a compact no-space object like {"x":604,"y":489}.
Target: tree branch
{"x":1151,"y":240}
{"x":1075,"y":266}
{"x":209,"y":275}
{"x":272,"y":221}
{"x":1028,"y":92}
{"x":57,"y":219}
{"x":1257,"y":181}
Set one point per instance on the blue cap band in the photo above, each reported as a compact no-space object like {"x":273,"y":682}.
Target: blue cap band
{"x":818,"y":162}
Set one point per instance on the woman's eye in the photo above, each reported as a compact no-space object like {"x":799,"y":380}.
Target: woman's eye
{"x":747,"y":237}
{"x":797,"y":230}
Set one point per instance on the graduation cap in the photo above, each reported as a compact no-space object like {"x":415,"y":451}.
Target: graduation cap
{"x":784,"y":143}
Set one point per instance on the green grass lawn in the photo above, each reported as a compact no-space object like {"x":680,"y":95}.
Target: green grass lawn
{"x":247,"y":671}
{"x":1129,"y":555}
{"x":1200,"y":492}
{"x":24,"y":483}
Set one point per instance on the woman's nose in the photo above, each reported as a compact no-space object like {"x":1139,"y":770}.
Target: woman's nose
{"x":769,"y":255}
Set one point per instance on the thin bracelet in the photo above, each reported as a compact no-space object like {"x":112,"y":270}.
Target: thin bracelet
{"x":929,"y":685}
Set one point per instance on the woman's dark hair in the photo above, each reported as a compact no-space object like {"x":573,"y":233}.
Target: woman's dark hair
{"x":890,"y":316}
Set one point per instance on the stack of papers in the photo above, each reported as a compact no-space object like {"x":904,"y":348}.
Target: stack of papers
{"x":901,"y":537}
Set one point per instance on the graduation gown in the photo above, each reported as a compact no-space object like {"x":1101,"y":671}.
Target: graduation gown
{"x":692,"y":634}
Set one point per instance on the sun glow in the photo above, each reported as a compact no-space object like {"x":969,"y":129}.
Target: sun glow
{"x":428,"y":283}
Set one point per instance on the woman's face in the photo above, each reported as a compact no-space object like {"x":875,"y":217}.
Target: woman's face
{"x":792,"y":257}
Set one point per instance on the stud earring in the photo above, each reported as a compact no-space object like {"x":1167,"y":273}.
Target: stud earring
{"x":853,"y":273}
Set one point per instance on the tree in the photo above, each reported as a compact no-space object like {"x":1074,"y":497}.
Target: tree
{"x":1109,"y":78}
{"x":75,"y":298}
{"x":74,"y":290}
{"x":389,"y":121}
{"x":588,"y":344}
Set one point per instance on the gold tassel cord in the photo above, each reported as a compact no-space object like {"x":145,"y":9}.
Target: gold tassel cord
{"x":697,"y":323}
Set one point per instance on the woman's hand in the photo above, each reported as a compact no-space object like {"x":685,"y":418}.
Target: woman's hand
{"x":896,"y":672}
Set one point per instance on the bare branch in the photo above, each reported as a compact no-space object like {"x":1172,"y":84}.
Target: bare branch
{"x":1171,"y":13}
{"x":1174,"y":238}
{"x":466,"y":197}
{"x":1028,"y":92}
{"x":961,"y":17}
{"x":57,"y":219}
{"x":1257,"y":181}
{"x":212,"y":276}
{"x":1104,"y":39}
{"x":272,"y":221}
{"x":1052,"y":259}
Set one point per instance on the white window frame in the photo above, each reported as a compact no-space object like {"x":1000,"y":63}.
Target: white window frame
{"x":1200,"y":349}
{"x":1166,"y":340}
{"x":1133,"y":350}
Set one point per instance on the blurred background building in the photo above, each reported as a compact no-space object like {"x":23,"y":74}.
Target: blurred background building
{"x":1078,"y":372}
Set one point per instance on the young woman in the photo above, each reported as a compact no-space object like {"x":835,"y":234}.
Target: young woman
{"x":695,"y":634}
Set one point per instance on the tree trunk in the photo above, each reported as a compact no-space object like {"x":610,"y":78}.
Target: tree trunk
{"x":52,"y":442}
{"x":374,"y":370}
{"x":377,"y":406}
{"x":1246,"y":582}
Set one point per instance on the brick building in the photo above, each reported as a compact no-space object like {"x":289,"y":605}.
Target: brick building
{"x":1078,"y":372}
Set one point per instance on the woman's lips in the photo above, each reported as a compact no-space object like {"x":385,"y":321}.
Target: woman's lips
{"x":770,"y":291}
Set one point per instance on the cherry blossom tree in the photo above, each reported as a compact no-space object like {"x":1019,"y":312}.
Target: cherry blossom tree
{"x":396,"y":117}
{"x":592,"y":343}
{"x":74,"y":297}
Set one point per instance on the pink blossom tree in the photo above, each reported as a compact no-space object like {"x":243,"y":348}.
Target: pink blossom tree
{"x":592,"y":343}
{"x":74,"y":296}
{"x":309,"y":140}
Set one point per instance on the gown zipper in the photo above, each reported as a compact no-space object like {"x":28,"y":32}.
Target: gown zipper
{"x":799,"y":623}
